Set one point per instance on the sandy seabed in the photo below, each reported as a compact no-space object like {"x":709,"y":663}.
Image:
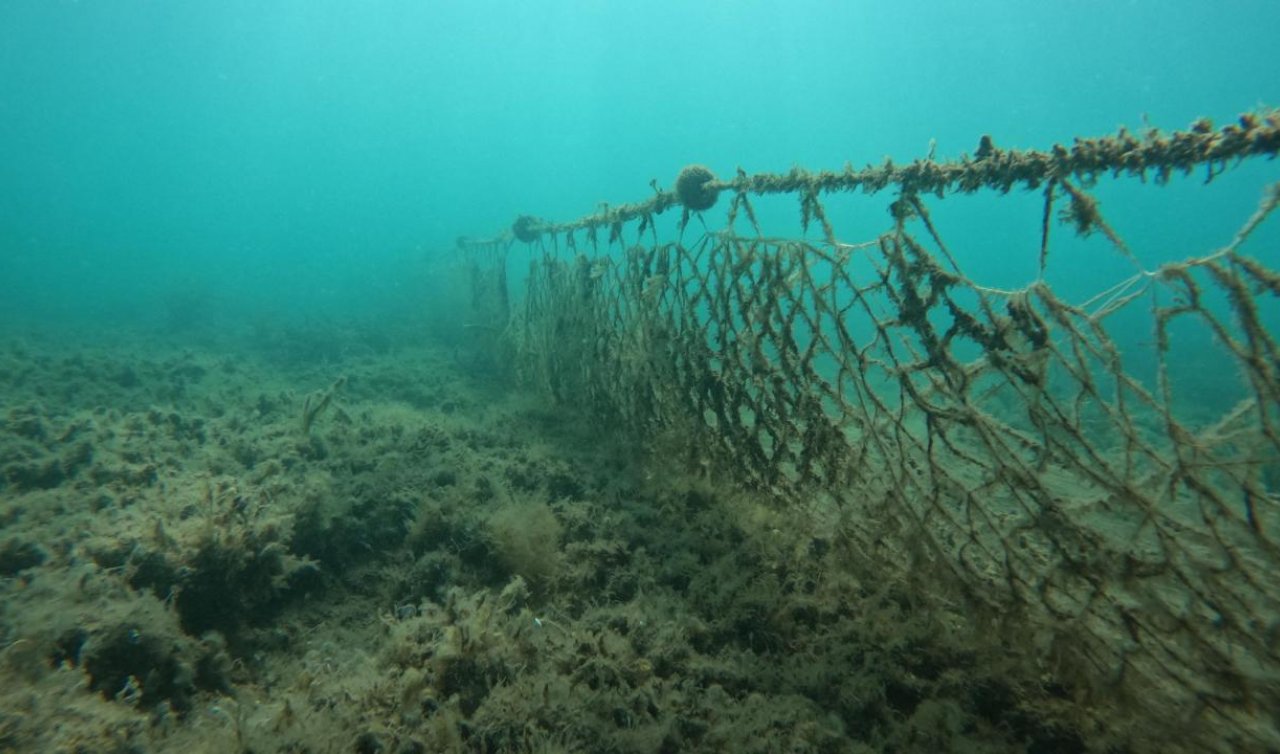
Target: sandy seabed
{"x":247,"y":548}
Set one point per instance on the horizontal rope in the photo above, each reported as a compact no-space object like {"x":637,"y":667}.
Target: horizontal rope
{"x":990,"y":167}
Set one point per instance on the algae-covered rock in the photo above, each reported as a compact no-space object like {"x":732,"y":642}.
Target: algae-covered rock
{"x":17,"y":555}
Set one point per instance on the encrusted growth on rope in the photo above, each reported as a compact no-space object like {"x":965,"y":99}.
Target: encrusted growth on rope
{"x":1152,"y":153}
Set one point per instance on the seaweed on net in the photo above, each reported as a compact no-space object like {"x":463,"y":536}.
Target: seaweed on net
{"x":989,"y":446}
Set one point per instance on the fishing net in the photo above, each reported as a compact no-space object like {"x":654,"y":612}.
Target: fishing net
{"x":999,"y":448}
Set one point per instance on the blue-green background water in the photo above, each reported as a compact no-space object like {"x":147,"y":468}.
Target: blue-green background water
{"x":318,"y":157}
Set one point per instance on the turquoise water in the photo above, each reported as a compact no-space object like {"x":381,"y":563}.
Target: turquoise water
{"x":248,"y":502}
{"x":307,"y":157}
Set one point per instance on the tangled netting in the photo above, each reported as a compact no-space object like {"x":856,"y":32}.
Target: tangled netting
{"x":991,"y":444}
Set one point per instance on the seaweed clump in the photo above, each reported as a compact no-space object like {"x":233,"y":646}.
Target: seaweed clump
{"x":694,"y":187}
{"x":526,"y":539}
{"x":525,"y":229}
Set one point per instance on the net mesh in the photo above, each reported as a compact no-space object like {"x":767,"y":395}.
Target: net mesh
{"x":996,"y":447}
